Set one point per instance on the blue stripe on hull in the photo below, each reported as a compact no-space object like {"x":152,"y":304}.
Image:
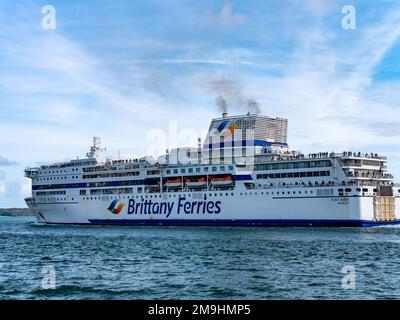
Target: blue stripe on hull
{"x":241,"y":222}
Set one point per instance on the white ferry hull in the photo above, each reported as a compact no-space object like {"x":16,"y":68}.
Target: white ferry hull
{"x":230,"y":209}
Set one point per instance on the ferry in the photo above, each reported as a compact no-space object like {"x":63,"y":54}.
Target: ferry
{"x":244,"y":174}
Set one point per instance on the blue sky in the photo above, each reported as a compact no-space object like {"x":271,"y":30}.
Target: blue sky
{"x":122,"y":69}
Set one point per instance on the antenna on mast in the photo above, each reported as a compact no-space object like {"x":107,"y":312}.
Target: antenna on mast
{"x":95,"y":149}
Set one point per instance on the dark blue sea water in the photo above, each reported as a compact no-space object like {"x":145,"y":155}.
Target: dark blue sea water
{"x":197,"y":263}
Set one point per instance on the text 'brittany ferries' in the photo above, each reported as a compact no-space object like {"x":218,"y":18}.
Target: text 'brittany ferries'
{"x":166,"y":208}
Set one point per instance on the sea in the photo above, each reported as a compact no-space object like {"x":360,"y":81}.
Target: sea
{"x":97,"y":262}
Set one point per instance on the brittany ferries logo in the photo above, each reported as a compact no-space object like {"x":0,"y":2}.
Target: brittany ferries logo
{"x":114,"y":208}
{"x":227,"y":128}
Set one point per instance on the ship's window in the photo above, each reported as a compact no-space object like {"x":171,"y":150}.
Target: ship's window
{"x":230,"y":168}
{"x":365,"y":190}
{"x":175,"y":170}
{"x":222,"y":168}
{"x":168,"y":171}
{"x":183,"y":170}
{"x":205,"y":169}
{"x":358,"y":189}
{"x":190,"y":170}
{"x":348,"y":189}
{"x":214,"y":169}
{"x":197,"y":169}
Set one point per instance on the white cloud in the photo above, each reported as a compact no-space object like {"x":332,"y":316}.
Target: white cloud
{"x":2,"y":188}
{"x":6,"y":162}
{"x":26,"y":187}
{"x":226,"y":16}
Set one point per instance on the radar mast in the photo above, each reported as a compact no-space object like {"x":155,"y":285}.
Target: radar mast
{"x":95,"y":149}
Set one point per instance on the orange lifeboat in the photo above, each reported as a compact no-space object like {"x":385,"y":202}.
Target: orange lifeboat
{"x":174,"y":183}
{"x":196,"y":182}
{"x":225,"y":181}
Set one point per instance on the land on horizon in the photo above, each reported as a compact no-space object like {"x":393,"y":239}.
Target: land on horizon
{"x":15,"y":212}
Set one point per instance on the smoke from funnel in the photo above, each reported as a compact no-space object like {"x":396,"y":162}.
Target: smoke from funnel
{"x":221,"y":103}
{"x":253,"y":106}
{"x":230,"y":90}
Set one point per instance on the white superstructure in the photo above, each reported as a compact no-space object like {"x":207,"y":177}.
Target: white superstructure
{"x":244,"y":175}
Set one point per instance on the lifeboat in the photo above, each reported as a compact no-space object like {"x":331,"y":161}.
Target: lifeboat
{"x":222,"y":181}
{"x":196,"y":182}
{"x":174,"y":183}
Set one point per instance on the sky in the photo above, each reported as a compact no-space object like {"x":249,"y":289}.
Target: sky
{"x":133,"y":71}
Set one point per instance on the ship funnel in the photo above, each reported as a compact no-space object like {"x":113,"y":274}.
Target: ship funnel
{"x":224,"y":114}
